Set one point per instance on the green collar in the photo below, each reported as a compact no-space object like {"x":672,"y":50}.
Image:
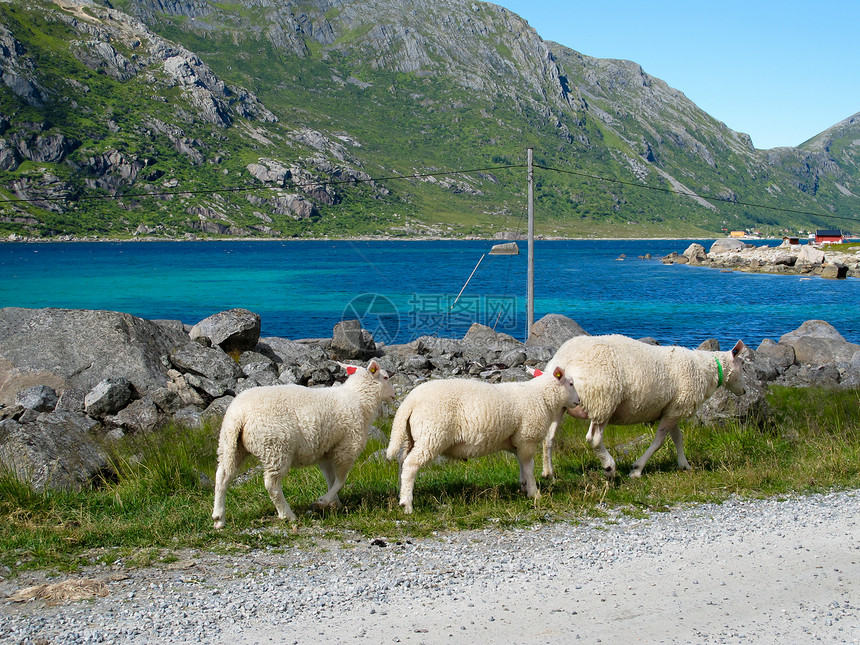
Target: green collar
{"x":719,"y":372}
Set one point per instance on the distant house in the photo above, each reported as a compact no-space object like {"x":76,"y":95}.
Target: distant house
{"x":791,"y":240}
{"x":829,"y":236}
{"x":738,"y":234}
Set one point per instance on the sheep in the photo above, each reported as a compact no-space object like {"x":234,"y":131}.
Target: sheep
{"x":287,"y":426}
{"x":624,"y":381}
{"x":462,"y":418}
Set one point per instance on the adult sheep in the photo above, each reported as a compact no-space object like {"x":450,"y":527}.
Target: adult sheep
{"x":287,"y":426}
{"x":624,"y":381}
{"x":463,"y":418}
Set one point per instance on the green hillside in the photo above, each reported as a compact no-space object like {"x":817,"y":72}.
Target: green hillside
{"x":313,"y":118}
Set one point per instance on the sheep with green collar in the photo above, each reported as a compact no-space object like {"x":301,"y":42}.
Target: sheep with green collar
{"x":623,"y":381}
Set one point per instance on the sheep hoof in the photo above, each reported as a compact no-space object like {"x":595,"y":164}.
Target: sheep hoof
{"x":219,"y":524}
{"x":635,"y":474}
{"x":319,"y":505}
{"x":610,"y":473}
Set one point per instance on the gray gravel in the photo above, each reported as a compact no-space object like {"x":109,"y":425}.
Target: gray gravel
{"x":745,"y":571}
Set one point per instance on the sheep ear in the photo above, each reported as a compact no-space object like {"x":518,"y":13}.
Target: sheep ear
{"x":533,"y":371}
{"x":373,"y":367}
{"x":558,"y":373}
{"x":738,"y":348}
{"x":351,"y":369}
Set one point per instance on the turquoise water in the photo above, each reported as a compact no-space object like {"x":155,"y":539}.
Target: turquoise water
{"x":401,"y":290}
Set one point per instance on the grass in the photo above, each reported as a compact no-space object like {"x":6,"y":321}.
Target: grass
{"x":160,"y":499}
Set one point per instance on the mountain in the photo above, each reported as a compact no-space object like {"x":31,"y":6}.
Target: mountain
{"x":380,"y":117}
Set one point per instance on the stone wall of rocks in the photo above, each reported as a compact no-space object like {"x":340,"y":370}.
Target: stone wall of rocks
{"x":75,"y":382}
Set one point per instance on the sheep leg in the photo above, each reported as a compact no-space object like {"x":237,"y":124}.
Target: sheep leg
{"x":659,"y":438}
{"x":595,"y":438}
{"x":228,"y":467}
{"x":548,"y":471}
{"x":678,"y":440}
{"x":408,"y":471}
{"x":334,"y":478}
{"x":527,"y":473}
{"x":272,"y":480}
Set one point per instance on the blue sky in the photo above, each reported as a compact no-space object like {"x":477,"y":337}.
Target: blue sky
{"x":780,"y":71}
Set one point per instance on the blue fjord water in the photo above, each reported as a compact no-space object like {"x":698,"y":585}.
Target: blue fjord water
{"x":404,"y":289}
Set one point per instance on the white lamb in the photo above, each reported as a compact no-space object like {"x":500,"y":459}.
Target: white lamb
{"x":624,"y":381}
{"x":287,"y":426}
{"x":463,"y":418}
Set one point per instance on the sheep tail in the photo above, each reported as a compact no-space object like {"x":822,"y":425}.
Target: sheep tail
{"x":228,"y":439}
{"x":399,"y":431}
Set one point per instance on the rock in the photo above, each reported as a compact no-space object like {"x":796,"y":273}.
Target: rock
{"x":284,"y":351}
{"x":56,"y":451}
{"x":108,"y":396}
{"x":217,"y":408}
{"x":552,"y":330}
{"x":710,"y":345}
{"x":834,"y":271}
{"x":39,"y":398}
{"x":483,"y":338}
{"x":71,"y":400}
{"x":236,"y":330}
{"x":696,"y":254}
{"x":817,"y":342}
{"x":140,"y":416}
{"x":727,"y":245}
{"x":351,"y":342}
{"x":810,"y":255}
{"x":71,"y":348}
{"x":781,"y":354}
{"x":209,"y":362}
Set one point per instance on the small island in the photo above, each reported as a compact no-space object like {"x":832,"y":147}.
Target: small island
{"x":834,"y":261}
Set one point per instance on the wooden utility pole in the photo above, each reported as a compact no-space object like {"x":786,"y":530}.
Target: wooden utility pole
{"x":530,"y":291}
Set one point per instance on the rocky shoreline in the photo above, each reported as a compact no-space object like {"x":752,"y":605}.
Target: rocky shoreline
{"x":798,"y":259}
{"x":74,"y":382}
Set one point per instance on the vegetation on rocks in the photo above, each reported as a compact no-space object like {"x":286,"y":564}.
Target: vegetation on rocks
{"x":365,"y":118}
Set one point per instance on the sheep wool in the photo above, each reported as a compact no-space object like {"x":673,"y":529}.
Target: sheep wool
{"x":625,"y":381}
{"x":462,"y":418}
{"x":288,"y":426}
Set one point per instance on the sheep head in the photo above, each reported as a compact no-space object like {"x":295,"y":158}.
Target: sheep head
{"x":373,"y":373}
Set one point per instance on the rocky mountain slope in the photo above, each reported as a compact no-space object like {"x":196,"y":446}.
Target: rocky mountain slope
{"x":338,"y":117}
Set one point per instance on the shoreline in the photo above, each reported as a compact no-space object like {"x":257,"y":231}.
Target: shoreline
{"x":362,"y":238}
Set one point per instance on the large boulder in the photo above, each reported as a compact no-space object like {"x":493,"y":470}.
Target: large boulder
{"x":817,"y":342}
{"x":236,"y":330}
{"x":481,"y":337}
{"x":72,"y":348}
{"x":351,"y":342}
{"x":696,"y":253}
{"x":54,"y":451}
{"x":108,"y":396}
{"x":552,"y":330}
{"x":727,"y":245}
{"x":810,"y":255}
{"x":208,"y":362}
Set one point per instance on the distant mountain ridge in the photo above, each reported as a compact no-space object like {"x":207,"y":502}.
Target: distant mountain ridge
{"x":339,"y":117}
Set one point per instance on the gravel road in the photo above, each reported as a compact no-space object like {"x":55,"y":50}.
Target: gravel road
{"x":745,"y":571}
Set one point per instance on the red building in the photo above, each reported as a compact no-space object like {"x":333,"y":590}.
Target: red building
{"x":827,"y":236}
